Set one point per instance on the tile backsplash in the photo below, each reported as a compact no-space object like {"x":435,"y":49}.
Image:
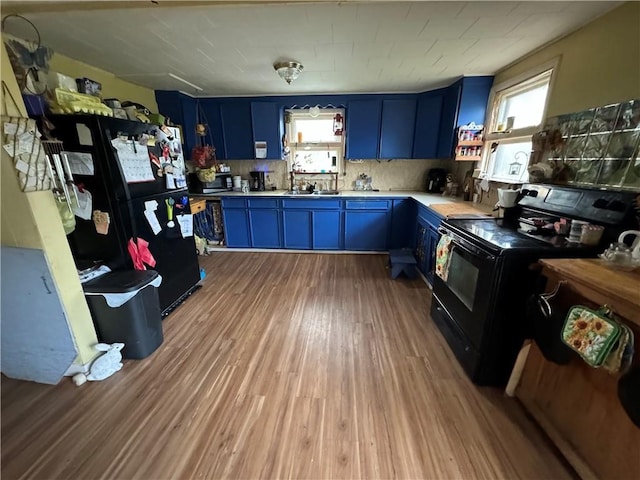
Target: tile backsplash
{"x":386,"y":175}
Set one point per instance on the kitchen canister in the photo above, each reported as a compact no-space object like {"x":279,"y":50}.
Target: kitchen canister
{"x":591,"y":234}
{"x":237,"y":183}
{"x":576,"y":231}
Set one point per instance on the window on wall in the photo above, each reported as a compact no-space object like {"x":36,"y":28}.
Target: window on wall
{"x":516,"y":111}
{"x":316,"y":139}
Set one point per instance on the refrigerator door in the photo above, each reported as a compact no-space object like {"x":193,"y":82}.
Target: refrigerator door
{"x":175,"y":256}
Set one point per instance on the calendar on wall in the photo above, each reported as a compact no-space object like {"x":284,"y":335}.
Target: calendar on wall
{"x":134,"y":160}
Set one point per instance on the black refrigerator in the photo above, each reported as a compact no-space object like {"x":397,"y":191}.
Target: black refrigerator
{"x":121,"y":194}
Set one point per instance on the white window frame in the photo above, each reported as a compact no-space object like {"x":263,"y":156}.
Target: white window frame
{"x":315,"y":146}
{"x":492,"y":136}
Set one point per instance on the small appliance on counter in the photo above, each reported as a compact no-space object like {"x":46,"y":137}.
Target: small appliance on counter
{"x":507,"y":205}
{"x":221,"y":183}
{"x":257,"y":183}
{"x":436,"y":180}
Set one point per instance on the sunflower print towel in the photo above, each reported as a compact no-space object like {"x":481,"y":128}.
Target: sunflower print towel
{"x":590,"y":333}
{"x":442,"y":257}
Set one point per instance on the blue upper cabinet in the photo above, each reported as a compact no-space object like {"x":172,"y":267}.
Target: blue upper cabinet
{"x":448,"y":120}
{"x":363,"y":128}
{"x":396,"y":131}
{"x":210,"y":113}
{"x":377,"y":125}
{"x":265,"y":119}
{"x":238,"y":135}
{"x":474,"y":100}
{"x":428,"y":113}
{"x":464,"y":101}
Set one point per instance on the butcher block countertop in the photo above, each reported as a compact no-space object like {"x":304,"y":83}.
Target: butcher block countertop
{"x":619,"y":289}
{"x":462,"y":208}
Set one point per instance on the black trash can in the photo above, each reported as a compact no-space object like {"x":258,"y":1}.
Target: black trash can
{"x":138,"y":321}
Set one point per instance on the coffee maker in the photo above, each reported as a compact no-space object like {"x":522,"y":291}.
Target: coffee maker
{"x":436,"y":180}
{"x":256,"y":184}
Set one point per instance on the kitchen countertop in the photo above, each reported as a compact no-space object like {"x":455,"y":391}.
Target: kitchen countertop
{"x":619,"y":289}
{"x":445,"y":206}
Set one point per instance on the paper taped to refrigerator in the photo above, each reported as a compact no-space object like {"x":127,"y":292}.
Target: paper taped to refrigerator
{"x":134,"y":161}
{"x":186,"y":225}
{"x":151,"y":217}
{"x":80,"y":163}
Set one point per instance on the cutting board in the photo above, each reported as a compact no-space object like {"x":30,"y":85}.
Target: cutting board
{"x":449,"y":209}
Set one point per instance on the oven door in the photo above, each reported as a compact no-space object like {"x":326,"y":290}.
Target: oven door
{"x":466,"y":295}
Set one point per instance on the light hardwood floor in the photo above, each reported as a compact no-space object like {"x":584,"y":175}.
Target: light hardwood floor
{"x":282,"y":366}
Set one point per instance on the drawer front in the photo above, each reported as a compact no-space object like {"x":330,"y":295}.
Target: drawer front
{"x":311,"y":204}
{"x":197,"y":205}
{"x":234,"y":203}
{"x":263,"y":203}
{"x":368,"y":204}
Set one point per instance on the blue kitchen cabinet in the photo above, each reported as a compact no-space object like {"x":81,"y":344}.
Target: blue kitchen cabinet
{"x":427,"y":128}
{"x":327,"y":230}
{"x":421,"y":249}
{"x":363,"y":128}
{"x":463,"y":102}
{"x":265,"y":222}
{"x":238,"y":135}
{"x":434,"y":238}
{"x":366,"y":224}
{"x":366,"y":230}
{"x":448,"y":120}
{"x":397,"y":128}
{"x":236,"y":226}
{"x":297,"y":229}
{"x":209,"y":112}
{"x":265,"y":228}
{"x":427,"y":238}
{"x":266,"y":123}
{"x":474,"y":100}
{"x":402,"y":218}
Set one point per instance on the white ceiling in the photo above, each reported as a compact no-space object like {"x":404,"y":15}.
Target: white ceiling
{"x":348,"y":47}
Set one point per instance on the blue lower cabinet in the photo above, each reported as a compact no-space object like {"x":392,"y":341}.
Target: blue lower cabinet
{"x":421,"y":250}
{"x":402,"y":220}
{"x":327,"y":230}
{"x":434,"y":238}
{"x":297,"y":229}
{"x":366,"y":230}
{"x":265,"y":228}
{"x":236,"y":227}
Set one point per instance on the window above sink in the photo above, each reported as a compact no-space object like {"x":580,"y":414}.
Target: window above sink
{"x":316,"y":139}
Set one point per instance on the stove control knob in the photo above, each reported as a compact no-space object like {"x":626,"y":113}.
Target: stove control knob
{"x":532,"y":193}
{"x":600,"y":203}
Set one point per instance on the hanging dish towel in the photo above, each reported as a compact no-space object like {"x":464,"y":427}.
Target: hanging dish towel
{"x":592,"y":334}
{"x":442,"y":257}
{"x":140,"y":254}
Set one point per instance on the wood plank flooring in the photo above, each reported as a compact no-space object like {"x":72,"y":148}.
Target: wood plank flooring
{"x":281,"y":366}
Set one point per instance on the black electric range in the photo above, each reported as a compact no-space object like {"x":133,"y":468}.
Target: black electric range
{"x":480,"y":307}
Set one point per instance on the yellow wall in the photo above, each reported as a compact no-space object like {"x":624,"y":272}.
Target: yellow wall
{"x":32,"y":221}
{"x":599,"y":64}
{"x":112,"y":86}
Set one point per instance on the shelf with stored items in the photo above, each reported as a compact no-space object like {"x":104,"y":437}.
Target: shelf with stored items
{"x":469,"y":143}
{"x":294,"y":173}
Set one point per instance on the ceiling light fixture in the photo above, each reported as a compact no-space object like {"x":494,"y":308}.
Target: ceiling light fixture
{"x":288,"y":71}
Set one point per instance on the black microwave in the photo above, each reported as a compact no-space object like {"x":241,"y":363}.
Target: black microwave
{"x":222,"y":183}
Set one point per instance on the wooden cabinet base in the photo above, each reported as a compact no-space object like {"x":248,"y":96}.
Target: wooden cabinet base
{"x":578,"y":407}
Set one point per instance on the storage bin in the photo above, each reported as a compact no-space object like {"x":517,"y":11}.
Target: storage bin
{"x":138,"y":321}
